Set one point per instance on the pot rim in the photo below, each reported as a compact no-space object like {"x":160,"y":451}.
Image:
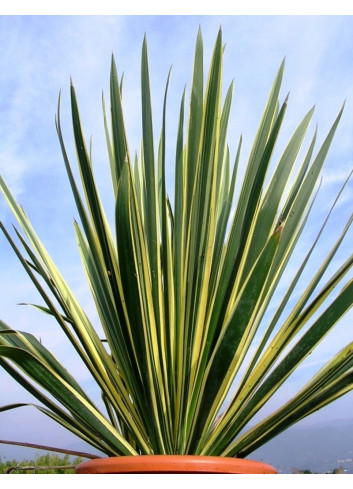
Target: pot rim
{"x":173,"y":464}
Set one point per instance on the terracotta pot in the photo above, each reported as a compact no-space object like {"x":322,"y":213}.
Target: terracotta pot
{"x":173,"y":464}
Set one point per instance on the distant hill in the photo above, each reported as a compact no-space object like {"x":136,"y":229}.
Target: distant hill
{"x":320,"y":448}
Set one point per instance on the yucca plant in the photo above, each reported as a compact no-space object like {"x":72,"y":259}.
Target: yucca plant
{"x":184,"y":290}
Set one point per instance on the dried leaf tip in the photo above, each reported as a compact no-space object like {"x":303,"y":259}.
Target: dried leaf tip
{"x":280,"y":227}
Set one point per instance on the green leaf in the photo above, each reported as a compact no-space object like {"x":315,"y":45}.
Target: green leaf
{"x":233,"y":341}
{"x":71,"y":399}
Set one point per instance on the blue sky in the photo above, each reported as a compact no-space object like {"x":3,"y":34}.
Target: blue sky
{"x":38,"y":56}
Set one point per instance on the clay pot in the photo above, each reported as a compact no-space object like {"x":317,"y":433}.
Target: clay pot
{"x":173,"y":464}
